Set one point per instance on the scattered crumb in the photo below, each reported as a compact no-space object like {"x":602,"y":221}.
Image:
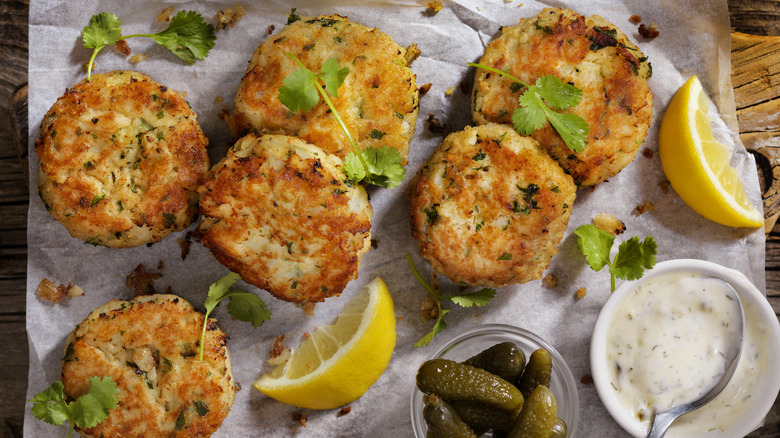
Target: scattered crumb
{"x":185,"y":242}
{"x":479,"y":8}
{"x":519,"y":5}
{"x":48,"y":290}
{"x":279,"y":353}
{"x":635,"y":19}
{"x":160,"y":265}
{"x":123,"y":47}
{"x":141,"y":281}
{"x":580,"y":294}
{"x":644,"y":208}
{"x":647,"y":152}
{"x":223,"y":113}
{"x":609,"y":223}
{"x":424,"y":89}
{"x":587,"y":379}
{"x":306,"y":335}
{"x":550,"y":280}
{"x":300,"y":417}
{"x":229,"y":17}
{"x":374,"y":243}
{"x":219,"y":99}
{"x":449,"y":91}
{"x":433,"y":7}
{"x":429,"y":309}
{"x":412,"y":53}
{"x":138,"y":57}
{"x":271,"y":29}
{"x":507,"y":1}
{"x":665,"y":186}
{"x":85,"y":66}
{"x":165,"y":15}
{"x":308,"y":308}
{"x":434,"y":125}
{"x":649,"y":32}
{"x":344,"y":411}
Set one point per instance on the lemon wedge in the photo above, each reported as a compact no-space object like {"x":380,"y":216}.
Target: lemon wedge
{"x":338,"y":363}
{"x":697,"y":165}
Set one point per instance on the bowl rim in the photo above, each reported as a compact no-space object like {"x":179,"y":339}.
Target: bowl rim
{"x":748,"y":293}
{"x":567,"y":377}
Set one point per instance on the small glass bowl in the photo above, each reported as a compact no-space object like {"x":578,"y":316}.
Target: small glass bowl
{"x":477,"y":339}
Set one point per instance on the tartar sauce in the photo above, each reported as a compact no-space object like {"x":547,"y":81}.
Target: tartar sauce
{"x":667,"y":345}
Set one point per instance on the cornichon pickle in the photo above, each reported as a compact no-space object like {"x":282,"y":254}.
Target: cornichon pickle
{"x":538,"y":416}
{"x":504,"y":360}
{"x":443,"y":421}
{"x":537,"y":372}
{"x":456,"y":381}
{"x":481,"y":417}
{"x":559,"y":429}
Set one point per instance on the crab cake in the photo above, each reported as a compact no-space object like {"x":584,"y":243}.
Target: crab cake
{"x":149,"y":347}
{"x":277,"y":210}
{"x":378,"y":100}
{"x":594,"y":56}
{"x":121,"y":157}
{"x":489,"y":207}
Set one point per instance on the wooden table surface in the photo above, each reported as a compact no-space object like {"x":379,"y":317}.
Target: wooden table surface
{"x":756,"y":75}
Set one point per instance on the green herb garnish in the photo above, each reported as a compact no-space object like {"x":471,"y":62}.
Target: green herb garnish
{"x":472,"y":299}
{"x":632,"y":258}
{"x":244,"y":306}
{"x":188,"y":36}
{"x":85,"y":412}
{"x":299,"y":92}
{"x":537,"y":104}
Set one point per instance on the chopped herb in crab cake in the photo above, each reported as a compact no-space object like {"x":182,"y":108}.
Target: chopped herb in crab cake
{"x":378,"y":100}
{"x":489,"y":207}
{"x":278,"y":211}
{"x":594,"y":56}
{"x":121,"y":157}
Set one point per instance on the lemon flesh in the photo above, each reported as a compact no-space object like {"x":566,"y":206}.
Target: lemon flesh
{"x":697,"y":165}
{"x":338,"y":363}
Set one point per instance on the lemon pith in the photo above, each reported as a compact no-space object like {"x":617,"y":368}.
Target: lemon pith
{"x":697,"y":165}
{"x":338,"y":363}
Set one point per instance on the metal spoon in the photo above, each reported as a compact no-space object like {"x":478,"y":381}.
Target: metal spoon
{"x":662,"y":420}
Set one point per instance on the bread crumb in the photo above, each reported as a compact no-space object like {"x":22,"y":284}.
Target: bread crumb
{"x":412,"y":53}
{"x":644,"y":208}
{"x":141,"y":281}
{"x":428,"y":308}
{"x":479,"y":8}
{"x":219,"y":99}
{"x":550,"y":280}
{"x":138,"y":57}
{"x":271,"y":29}
{"x":580,"y":294}
{"x":449,"y":91}
{"x":123,"y":47}
{"x":165,"y":15}
{"x":424,"y":89}
{"x":647,"y":152}
{"x":649,"y":32}
{"x":279,"y":353}
{"x":300,"y":417}
{"x":434,"y":125}
{"x":229,"y":17}
{"x":587,"y":379}
{"x":635,"y":19}
{"x":665,"y":186}
{"x":609,"y":223}
{"x":308,"y":308}
{"x":434,"y":6}
{"x":50,"y":291}
{"x":344,"y":411}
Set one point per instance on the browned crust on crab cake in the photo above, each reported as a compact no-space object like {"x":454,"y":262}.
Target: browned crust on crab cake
{"x":120,"y":159}
{"x":489,"y":207}
{"x":277,"y":210}
{"x":378,"y":100}
{"x":591,"y":54}
{"x":149,"y":347}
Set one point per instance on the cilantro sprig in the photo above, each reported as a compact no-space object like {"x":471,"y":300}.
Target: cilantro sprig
{"x":537,"y":104}
{"x":472,"y":299}
{"x":244,"y":306}
{"x":85,"y":412}
{"x":630,"y":262}
{"x":188,"y":36}
{"x":301,"y":91}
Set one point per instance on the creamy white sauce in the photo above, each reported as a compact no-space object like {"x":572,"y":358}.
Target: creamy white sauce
{"x":667,"y":344}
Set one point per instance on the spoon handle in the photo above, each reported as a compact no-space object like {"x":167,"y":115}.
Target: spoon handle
{"x":661,"y":423}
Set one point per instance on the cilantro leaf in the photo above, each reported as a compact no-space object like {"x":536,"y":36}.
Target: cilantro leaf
{"x":632,"y":259}
{"x":244,"y":306}
{"x":333,"y":76}
{"x":530,"y":115}
{"x":595,"y":245}
{"x":474,"y":299}
{"x":556,"y":93}
{"x":87,"y":411}
{"x":437,"y":328}
{"x":353,"y":167}
{"x":384,"y":166}
{"x":103,"y":30}
{"x":571,"y":127}
{"x":298,"y":91}
{"x":188,"y":36}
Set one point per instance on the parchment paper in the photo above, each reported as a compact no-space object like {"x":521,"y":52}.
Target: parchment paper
{"x":694,"y":40}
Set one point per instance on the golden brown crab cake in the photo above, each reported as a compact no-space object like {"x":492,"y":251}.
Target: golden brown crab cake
{"x":121,"y":157}
{"x":489,"y":207}
{"x":378,"y":100}
{"x":594,"y":56}
{"x":277,"y":210}
{"x":149,"y":347}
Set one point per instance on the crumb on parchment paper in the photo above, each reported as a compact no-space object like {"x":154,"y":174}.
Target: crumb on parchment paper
{"x":550,"y":280}
{"x":433,"y":7}
{"x":609,"y":223}
{"x":229,"y":17}
{"x":51,"y":291}
{"x":580,"y":294}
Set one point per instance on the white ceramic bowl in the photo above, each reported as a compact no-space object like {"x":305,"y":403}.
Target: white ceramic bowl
{"x":477,"y":339}
{"x":758,"y":312}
